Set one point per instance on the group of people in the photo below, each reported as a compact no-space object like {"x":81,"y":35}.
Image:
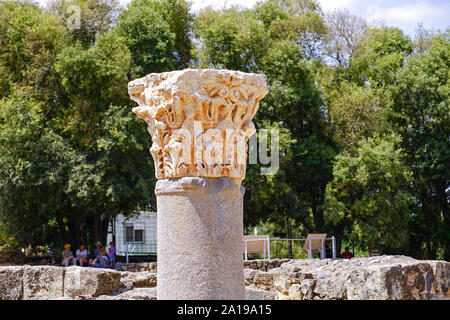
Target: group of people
{"x":97,"y":258}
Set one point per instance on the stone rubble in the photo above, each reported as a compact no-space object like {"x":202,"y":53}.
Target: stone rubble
{"x":137,"y":267}
{"x":374,"y":278}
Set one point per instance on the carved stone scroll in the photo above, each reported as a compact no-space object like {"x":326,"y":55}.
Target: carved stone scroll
{"x":199,"y":120}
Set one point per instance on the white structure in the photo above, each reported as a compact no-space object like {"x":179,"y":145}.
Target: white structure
{"x":138,"y":232}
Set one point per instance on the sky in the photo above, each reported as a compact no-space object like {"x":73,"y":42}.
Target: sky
{"x":404,"y":14}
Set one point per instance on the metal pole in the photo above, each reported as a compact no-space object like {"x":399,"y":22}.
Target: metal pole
{"x":264,"y":243}
{"x":309,"y":251}
{"x":333,"y":246}
{"x":268,"y":247}
{"x":322,"y":254}
{"x":245,"y":241}
{"x":126,"y":253}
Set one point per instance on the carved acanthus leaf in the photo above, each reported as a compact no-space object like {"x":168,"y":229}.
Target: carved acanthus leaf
{"x":199,"y":120}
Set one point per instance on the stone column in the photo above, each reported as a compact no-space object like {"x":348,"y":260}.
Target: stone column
{"x":200,"y":121}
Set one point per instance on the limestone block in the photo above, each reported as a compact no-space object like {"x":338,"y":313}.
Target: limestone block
{"x":248,"y":276}
{"x":330,"y":288}
{"x":307,"y":288}
{"x":282,"y":296}
{"x":376,"y":283}
{"x":282,"y":282}
{"x":263,"y":280}
{"x":295,"y":292}
{"x":440,"y":281}
{"x":134,"y":294}
{"x":254,"y":294}
{"x":43,"y":282}
{"x":415,"y":278}
{"x":11,"y":283}
{"x":132,"y":280}
{"x":90,"y":281}
{"x":152,"y":267}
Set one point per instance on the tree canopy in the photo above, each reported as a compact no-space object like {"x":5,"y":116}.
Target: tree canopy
{"x":362,"y":115}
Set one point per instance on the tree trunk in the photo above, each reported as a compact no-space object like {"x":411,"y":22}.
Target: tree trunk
{"x":289,"y":236}
{"x":74,"y":234}
{"x":97,"y":229}
{"x":104,"y":231}
{"x":446,"y":218}
{"x":317,"y":215}
{"x":339,"y":235}
{"x":100,"y":229}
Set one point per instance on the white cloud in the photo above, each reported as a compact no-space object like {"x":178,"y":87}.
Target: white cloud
{"x":335,"y":4}
{"x":197,"y":5}
{"x":405,"y":16}
{"x":419,"y":11}
{"x":408,"y":16}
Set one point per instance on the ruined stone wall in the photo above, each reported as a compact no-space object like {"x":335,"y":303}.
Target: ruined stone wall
{"x":137,"y":267}
{"x":374,"y":278}
{"x":259,"y":264}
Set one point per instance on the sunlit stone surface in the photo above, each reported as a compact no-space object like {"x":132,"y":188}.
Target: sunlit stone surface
{"x":200,"y":121}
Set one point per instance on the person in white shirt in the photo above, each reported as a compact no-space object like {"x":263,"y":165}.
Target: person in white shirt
{"x":82,"y":255}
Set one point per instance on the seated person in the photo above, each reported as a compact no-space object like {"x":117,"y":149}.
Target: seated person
{"x":101,"y":261}
{"x":347,"y":254}
{"x":95,"y":251}
{"x":67,"y":256}
{"x":82,"y":255}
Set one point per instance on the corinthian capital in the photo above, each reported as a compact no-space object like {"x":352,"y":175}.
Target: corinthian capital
{"x":199,"y":120}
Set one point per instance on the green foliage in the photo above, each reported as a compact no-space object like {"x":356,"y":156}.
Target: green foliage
{"x":92,"y":79}
{"x":357,"y":112}
{"x":381,"y":53}
{"x":35,"y":166}
{"x":421,"y":115}
{"x":299,"y":21}
{"x":148,"y":38}
{"x":65,"y":167}
{"x":369,"y":193}
{"x":231,"y":39}
{"x":362,"y":113}
{"x":30,"y":40}
{"x":96,"y":17}
{"x":176,"y":13}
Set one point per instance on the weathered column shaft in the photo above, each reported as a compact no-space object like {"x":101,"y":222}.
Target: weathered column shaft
{"x":200,"y":121}
{"x":200,"y":232}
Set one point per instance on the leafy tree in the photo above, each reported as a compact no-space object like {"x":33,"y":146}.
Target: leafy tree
{"x":299,"y":21}
{"x":35,"y":167}
{"x":236,"y":39}
{"x":368,"y":198}
{"x":30,"y":40}
{"x":176,"y":13}
{"x":84,"y":160}
{"x":379,"y":56}
{"x":357,"y":112}
{"x":96,"y":17}
{"x":421,"y":115}
{"x":93,"y":78}
{"x":148,"y":37}
{"x":72,"y":155}
{"x":231,"y":39}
